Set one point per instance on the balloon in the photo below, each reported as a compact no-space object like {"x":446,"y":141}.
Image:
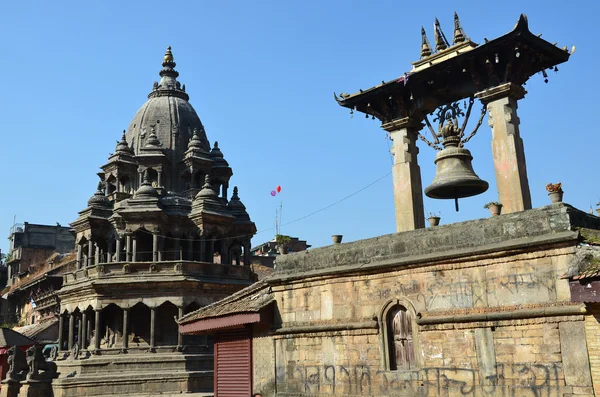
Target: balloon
{"x":273,"y":193}
{"x":278,"y":189}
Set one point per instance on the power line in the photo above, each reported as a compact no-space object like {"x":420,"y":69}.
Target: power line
{"x":288,"y":223}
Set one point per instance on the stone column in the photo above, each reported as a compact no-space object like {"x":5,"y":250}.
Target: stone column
{"x":161,"y":247}
{"x":134,"y":249}
{"x":406,"y":174}
{"x":177,"y":249}
{"x":179,"y":334}
{"x":79,"y":264}
{"x":159,"y":178}
{"x":507,"y":146}
{"x":152,"y":327}
{"x":97,"y":254}
{"x":154,"y":247}
{"x":110,"y":252}
{"x":190,"y":252}
{"x":97,"y":330}
{"x":118,"y":249}
{"x":83,"y":327}
{"x":71,"y":331}
{"x":118,"y":184}
{"x":125,"y":328}
{"x":90,"y":253}
{"x":202,"y":249}
{"x":128,"y":248}
{"x":61,"y":321}
{"x":79,"y":333}
{"x":247,"y":249}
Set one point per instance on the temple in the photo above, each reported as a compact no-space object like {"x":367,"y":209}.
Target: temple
{"x":159,"y":238}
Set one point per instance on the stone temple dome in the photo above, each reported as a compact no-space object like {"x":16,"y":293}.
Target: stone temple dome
{"x":168,"y":111}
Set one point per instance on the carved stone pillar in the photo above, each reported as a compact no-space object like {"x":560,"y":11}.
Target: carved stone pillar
{"x":247,"y":249}
{"x":190,"y":253}
{"x":125,"y":328}
{"x":203,"y":250}
{"x":110,"y":252}
{"x":61,"y":321}
{"x":128,"y":248}
{"x":79,"y":332}
{"x":177,"y":249}
{"x":507,"y":146}
{"x":406,"y":174}
{"x":97,"y":328}
{"x":90,"y":253}
{"x":161,"y":248}
{"x":134,"y":249}
{"x":83,"y":327}
{"x":118,"y":249}
{"x":154,"y":247}
{"x":97,"y":254}
{"x":71,"y":331}
{"x":79,"y":254}
{"x":152,"y":327}
{"x":179,"y":334}
{"x":159,"y":178}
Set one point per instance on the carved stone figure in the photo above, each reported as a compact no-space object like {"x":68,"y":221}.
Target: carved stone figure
{"x":53,"y":353}
{"x":39,"y":368}
{"x":17,"y":364}
{"x":75,"y":351}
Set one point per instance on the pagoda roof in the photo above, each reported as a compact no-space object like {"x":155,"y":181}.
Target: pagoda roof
{"x":460,"y":75}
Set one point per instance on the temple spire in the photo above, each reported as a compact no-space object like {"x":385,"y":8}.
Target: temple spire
{"x":459,"y":33}
{"x":440,"y":39}
{"x":425,"y":46}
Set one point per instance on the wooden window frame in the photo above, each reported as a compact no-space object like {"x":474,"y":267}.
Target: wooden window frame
{"x":385,"y":337}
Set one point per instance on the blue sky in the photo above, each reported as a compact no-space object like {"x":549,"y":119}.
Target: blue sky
{"x":261,"y":76}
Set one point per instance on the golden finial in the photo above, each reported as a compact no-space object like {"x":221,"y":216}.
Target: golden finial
{"x":168,"y":55}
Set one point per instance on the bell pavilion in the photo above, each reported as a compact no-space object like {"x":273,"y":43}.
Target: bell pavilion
{"x":160,"y":237}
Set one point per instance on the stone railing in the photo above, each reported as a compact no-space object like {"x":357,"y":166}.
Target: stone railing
{"x":165,"y":268}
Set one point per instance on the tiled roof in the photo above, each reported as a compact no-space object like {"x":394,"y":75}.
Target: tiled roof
{"x":8,"y":337}
{"x":249,"y":300}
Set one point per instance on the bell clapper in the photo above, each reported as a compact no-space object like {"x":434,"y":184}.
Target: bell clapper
{"x":456,"y":203}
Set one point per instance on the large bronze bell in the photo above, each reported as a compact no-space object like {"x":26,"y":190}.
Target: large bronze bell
{"x":454,"y":177}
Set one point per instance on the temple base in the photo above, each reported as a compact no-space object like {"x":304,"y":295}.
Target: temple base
{"x":135,"y":374}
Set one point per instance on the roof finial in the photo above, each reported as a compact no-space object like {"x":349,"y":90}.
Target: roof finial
{"x":440,"y":39}
{"x":168,"y":56}
{"x":235,"y":193}
{"x":425,"y":47}
{"x":122,"y":146}
{"x":459,"y":33}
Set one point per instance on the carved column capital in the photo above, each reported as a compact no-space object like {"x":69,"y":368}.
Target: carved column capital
{"x":507,"y":90}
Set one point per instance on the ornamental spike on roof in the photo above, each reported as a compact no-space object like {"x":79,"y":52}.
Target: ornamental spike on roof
{"x":457,"y":72}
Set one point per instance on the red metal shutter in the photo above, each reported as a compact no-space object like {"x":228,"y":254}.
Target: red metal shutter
{"x":233,"y":364}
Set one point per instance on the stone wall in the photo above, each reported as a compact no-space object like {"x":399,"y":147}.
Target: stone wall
{"x":492,"y":320}
{"x":263,"y":363}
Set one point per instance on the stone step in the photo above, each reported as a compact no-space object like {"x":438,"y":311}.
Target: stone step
{"x":135,"y":363}
{"x":136,"y":384}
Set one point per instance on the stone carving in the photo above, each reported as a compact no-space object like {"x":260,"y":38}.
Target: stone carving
{"x":53,"y":353}
{"x":126,"y":269}
{"x":153,"y":268}
{"x":75,"y":351}
{"x":17,"y":364}
{"x":39,"y":368}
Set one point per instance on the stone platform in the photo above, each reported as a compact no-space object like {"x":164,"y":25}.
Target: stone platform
{"x":141,"y":374}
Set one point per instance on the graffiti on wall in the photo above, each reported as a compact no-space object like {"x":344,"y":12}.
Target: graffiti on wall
{"x":511,"y":380}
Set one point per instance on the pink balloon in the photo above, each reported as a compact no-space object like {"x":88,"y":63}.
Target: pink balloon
{"x":273,"y":193}
{"x":278,"y":189}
